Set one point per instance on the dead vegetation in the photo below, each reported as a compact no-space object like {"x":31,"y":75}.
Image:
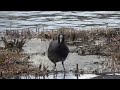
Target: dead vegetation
{"x":11,"y":63}
{"x":14,"y":40}
{"x":101,"y":42}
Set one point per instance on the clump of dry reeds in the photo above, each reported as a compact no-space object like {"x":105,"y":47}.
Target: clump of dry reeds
{"x":9,"y":66}
{"x":15,"y":44}
{"x":15,"y":39}
{"x":113,"y":49}
{"x":18,"y":33}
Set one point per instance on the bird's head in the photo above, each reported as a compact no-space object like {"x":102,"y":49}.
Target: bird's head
{"x":61,"y":38}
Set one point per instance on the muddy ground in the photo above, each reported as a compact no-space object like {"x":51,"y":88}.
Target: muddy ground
{"x":35,"y":45}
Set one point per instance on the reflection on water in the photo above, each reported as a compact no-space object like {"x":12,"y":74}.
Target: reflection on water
{"x":58,"y":19}
{"x":58,"y":76}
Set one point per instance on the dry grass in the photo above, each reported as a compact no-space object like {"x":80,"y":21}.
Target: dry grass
{"x":9,"y":65}
{"x":111,"y":48}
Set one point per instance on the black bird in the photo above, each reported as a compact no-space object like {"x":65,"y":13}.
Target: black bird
{"x":58,"y":50}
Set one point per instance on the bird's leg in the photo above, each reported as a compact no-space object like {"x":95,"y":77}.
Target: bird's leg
{"x":63,"y":65}
{"x":55,"y":67}
{"x":64,"y":75}
{"x":64,"y":70}
{"x":55,"y":70}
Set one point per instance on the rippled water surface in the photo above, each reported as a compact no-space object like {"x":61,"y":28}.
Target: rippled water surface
{"x":58,"y":19}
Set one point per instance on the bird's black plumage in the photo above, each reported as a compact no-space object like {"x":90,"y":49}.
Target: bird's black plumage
{"x":58,"y":50}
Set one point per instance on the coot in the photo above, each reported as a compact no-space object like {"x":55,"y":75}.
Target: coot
{"x":58,"y":50}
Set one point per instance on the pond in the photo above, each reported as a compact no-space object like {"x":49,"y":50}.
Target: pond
{"x":69,"y":75}
{"x":59,"y":19}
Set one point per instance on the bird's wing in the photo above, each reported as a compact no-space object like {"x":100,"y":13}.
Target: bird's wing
{"x":54,"y":45}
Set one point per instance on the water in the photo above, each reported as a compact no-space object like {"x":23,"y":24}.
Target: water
{"x":58,"y":19}
{"x":59,"y":76}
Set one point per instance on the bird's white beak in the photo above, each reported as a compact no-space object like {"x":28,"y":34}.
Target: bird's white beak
{"x":61,"y":37}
